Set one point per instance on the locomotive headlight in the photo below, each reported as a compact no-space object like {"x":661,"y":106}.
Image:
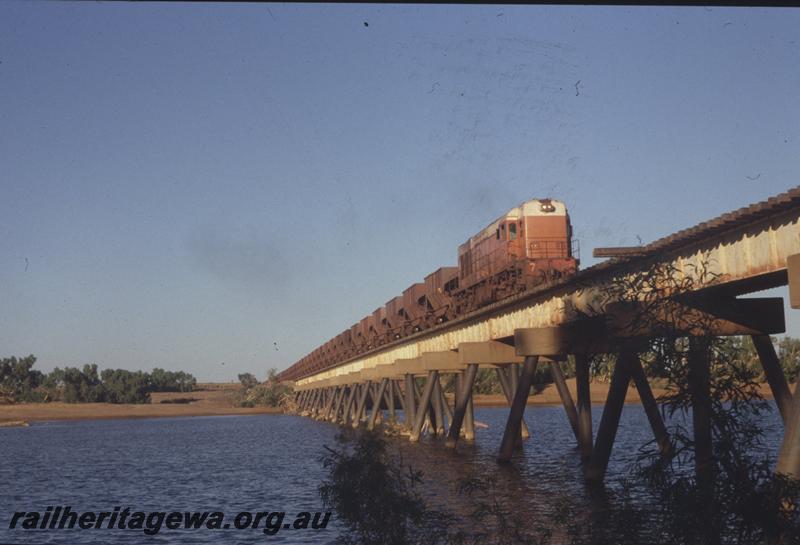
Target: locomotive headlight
{"x":547,"y":206}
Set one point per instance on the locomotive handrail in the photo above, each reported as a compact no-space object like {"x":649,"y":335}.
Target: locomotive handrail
{"x":543,"y":248}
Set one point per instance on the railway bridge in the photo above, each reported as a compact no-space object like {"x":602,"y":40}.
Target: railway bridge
{"x":606,"y":309}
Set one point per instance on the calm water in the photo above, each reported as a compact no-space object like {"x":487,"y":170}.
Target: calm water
{"x":267,"y":463}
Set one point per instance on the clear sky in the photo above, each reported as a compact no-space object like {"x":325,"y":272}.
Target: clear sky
{"x":185,"y":185}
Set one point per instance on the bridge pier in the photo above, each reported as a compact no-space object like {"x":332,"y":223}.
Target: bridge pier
{"x":362,"y":402}
{"x":448,"y":411}
{"x":334,"y":391}
{"x":376,"y":404}
{"x":334,"y":415}
{"x":504,"y":374}
{"x":513,"y":425}
{"x":304,"y":401}
{"x":609,"y":421}
{"x":584,"y":406}
{"x":389,"y":394}
{"x":699,"y":386}
{"x":438,"y":407}
{"x":309,"y":403}
{"x":789,"y":453}
{"x":463,"y":400}
{"x":348,"y":407}
{"x":400,"y":395}
{"x":469,"y":416}
{"x":315,"y":394}
{"x":627,"y":368}
{"x":321,"y":399}
{"x":774,"y":374}
{"x":650,"y":406}
{"x":566,"y":398}
{"x":424,"y":403}
{"x":410,"y":408}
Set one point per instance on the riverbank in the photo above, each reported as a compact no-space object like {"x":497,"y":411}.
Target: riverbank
{"x":598,"y":394}
{"x":549,"y":395}
{"x":220,"y":400}
{"x":208,"y":400}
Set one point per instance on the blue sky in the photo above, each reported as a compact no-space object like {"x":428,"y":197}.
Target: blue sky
{"x":186,"y":185}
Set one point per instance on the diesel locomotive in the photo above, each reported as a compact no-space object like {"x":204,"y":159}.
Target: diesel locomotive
{"x":526,"y":247}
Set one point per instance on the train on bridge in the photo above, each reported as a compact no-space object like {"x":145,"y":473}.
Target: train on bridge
{"x":528,"y":246}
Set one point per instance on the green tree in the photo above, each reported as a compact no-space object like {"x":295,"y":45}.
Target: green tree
{"x":123,"y":386}
{"x":171,"y":381}
{"x":79,"y":386}
{"x":17,"y":378}
{"x":248,"y":380}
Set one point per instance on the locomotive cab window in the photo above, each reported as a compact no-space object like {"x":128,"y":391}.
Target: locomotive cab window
{"x":512,"y":231}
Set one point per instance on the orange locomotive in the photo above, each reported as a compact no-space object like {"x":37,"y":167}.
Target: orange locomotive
{"x":528,"y":246}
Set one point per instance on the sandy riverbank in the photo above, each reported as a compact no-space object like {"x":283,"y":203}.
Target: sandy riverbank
{"x":209,"y":400}
{"x":218,"y":400}
{"x":549,"y":395}
{"x":598,"y":393}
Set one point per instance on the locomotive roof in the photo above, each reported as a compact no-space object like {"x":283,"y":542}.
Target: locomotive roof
{"x":527,"y":208}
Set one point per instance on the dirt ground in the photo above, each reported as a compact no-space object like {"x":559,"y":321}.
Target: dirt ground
{"x":208,"y":400}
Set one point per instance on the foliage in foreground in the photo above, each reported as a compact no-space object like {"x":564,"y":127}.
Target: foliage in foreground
{"x":379,"y":500}
{"x":376,"y":498}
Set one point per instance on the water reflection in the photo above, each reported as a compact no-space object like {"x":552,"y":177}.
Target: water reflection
{"x":271,"y":462}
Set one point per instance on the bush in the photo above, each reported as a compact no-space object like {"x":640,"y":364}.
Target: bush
{"x":375,"y":499}
{"x":269,"y":394}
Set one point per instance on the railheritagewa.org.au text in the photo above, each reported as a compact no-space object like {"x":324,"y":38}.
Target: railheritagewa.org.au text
{"x":153,"y":522}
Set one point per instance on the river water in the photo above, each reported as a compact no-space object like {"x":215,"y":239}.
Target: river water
{"x":270,"y":463}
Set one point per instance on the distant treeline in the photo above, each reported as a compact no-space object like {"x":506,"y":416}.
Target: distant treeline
{"x":20,"y":382}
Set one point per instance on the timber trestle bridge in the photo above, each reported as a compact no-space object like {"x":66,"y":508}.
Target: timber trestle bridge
{"x":745,"y":251}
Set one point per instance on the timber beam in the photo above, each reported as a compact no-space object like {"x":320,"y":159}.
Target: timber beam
{"x":487,"y":353}
{"x":626,"y":320}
